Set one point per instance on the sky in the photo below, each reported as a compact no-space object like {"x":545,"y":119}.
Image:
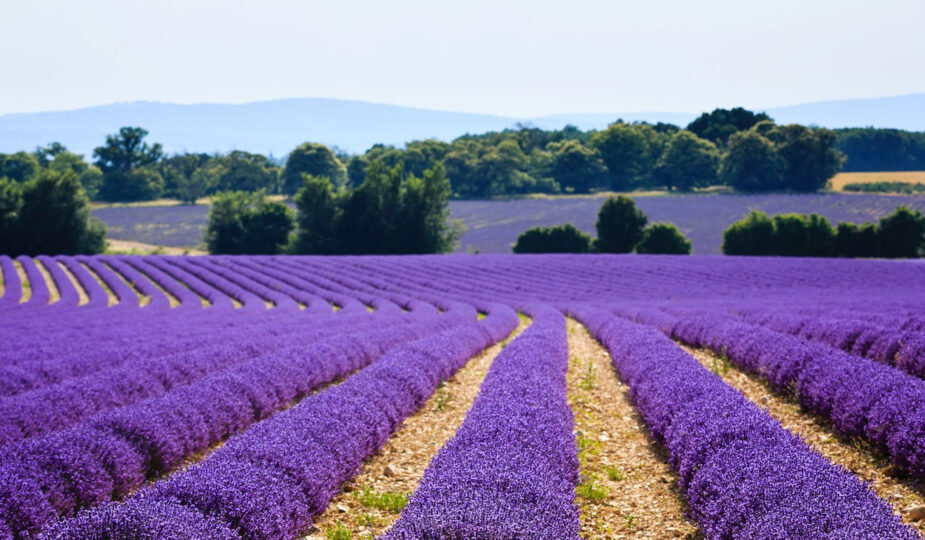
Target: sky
{"x":519,"y":58}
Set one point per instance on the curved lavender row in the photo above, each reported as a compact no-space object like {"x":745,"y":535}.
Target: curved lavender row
{"x":12,"y":285}
{"x":246,"y":298}
{"x":127,"y":299}
{"x":320,"y":281}
{"x":512,"y":467}
{"x":216,"y":299}
{"x":297,"y":459}
{"x":342,"y":280}
{"x":217,"y":266}
{"x":185,"y":296}
{"x":111,"y":455}
{"x":48,"y":409}
{"x":742,"y":474}
{"x":276,"y":280}
{"x":41,"y":296}
{"x":336,"y":295}
{"x":860,"y":397}
{"x":158,"y":301}
{"x":66,"y":290}
{"x":98,"y":297}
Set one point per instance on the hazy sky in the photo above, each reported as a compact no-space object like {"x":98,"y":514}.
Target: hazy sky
{"x":518,"y":58}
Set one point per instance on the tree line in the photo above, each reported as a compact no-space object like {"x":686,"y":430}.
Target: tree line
{"x":48,"y":214}
{"x":621,"y":228}
{"x":390,"y":212}
{"x":874,"y":149}
{"x":738,"y":148}
{"x":900,"y":235}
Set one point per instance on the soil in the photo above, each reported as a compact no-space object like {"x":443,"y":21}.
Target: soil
{"x":620,"y":464}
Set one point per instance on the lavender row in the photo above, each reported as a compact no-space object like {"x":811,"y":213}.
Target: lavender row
{"x":112,"y":454}
{"x":48,"y":409}
{"x":297,"y":459}
{"x":742,"y":474}
{"x":511,"y":469}
{"x":904,"y":349}
{"x":54,"y":365}
{"x":861,"y":398}
{"x":12,"y":285}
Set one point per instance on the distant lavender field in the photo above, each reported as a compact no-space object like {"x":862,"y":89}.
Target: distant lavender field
{"x":494,"y":225}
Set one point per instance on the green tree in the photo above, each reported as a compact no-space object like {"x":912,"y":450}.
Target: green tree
{"x":688,"y":162}
{"x":856,"y":240}
{"x":313,"y":159}
{"x":178,"y":169}
{"x":246,"y":223}
{"x":797,"y":235}
{"x":718,"y":126}
{"x":10,"y":206}
{"x":368,"y":213}
{"x":420,"y":156}
{"x":810,"y":156}
{"x":317,"y":216}
{"x":575,"y":166}
{"x":664,"y":239}
{"x":56,"y":157}
{"x":387,"y":214}
{"x":244,"y":171}
{"x":752,"y":163}
{"x":751,"y":235}
{"x":627,"y":151}
{"x":461,"y":166}
{"x":620,"y":225}
{"x":424,"y":224}
{"x":54,"y":217}
{"x":356,"y":170}
{"x":558,"y":239}
{"x":501,"y":169}
{"x":19,"y":167}
{"x":190,"y":189}
{"x":901,"y":235}
{"x":126,"y":162}
{"x":46,"y":154}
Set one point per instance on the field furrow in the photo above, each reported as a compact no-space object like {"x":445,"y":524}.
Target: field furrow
{"x":627,"y":488}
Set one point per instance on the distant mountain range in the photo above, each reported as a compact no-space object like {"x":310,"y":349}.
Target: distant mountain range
{"x":279,"y":125}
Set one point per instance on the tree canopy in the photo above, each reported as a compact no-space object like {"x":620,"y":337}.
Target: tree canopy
{"x":720,"y":124}
{"x":752,"y":163}
{"x":620,"y":225}
{"x":389,"y":213}
{"x":126,"y":162}
{"x":49,"y":214}
{"x":312,"y":159}
{"x":688,"y":162}
{"x":898,"y":235}
{"x":564,"y":238}
{"x":753,"y":154}
{"x":664,"y":239}
{"x":246,"y":223}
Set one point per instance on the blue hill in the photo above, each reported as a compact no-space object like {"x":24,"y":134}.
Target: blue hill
{"x":279,"y":125}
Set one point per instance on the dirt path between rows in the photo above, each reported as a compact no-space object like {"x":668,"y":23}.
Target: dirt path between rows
{"x":628,"y":490}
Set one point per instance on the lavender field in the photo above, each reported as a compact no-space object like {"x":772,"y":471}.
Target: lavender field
{"x":493,"y":226}
{"x":251,"y":396}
